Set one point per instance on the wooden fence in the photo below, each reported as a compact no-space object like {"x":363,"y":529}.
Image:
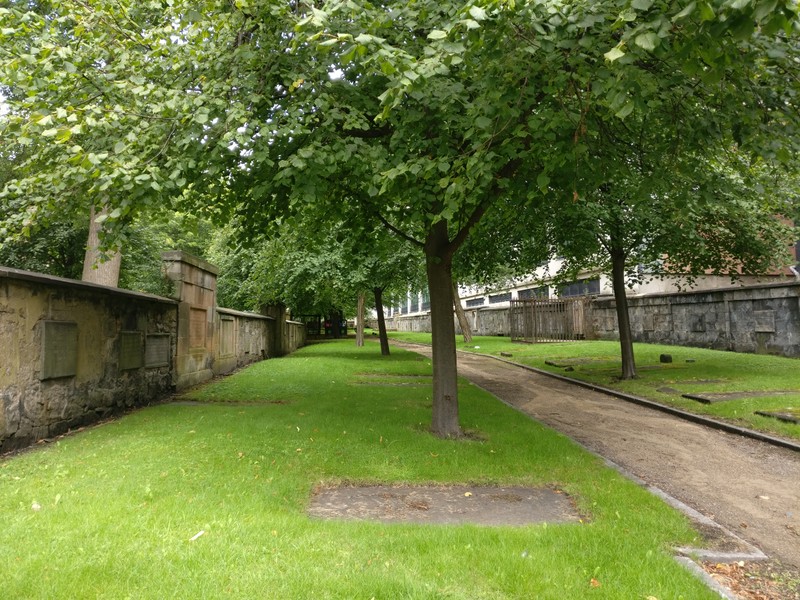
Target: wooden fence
{"x":549,"y":320}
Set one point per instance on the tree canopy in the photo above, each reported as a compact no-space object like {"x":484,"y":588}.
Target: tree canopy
{"x":422,"y":114}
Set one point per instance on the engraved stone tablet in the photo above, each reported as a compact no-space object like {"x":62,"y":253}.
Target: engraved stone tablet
{"x":59,"y":349}
{"x":765,"y":321}
{"x":157,"y":350}
{"x":130,"y":350}
{"x":197,"y":327}
{"x":226,"y":336}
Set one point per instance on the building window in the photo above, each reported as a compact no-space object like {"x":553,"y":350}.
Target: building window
{"x":497,"y":298}
{"x":415,"y":303}
{"x":475,"y":302}
{"x":537,"y":292}
{"x":582,"y":287}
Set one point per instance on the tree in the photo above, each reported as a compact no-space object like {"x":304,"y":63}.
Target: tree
{"x":429,"y":112}
{"x":682,"y":228}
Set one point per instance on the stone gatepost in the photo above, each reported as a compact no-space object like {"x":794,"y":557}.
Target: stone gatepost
{"x":195,"y":287}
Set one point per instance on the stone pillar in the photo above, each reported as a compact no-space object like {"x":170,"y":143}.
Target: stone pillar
{"x":195,"y":287}
{"x":277,"y":341}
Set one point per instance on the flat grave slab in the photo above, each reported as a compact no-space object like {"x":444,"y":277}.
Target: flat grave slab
{"x":712,"y":397}
{"x":480,"y":505}
{"x":785,"y":416}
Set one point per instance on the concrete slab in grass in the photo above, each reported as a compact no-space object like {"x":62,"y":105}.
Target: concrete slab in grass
{"x":480,"y":505}
{"x":712,"y":397}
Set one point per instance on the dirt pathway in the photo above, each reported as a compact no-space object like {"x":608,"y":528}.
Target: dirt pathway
{"x":749,"y":487}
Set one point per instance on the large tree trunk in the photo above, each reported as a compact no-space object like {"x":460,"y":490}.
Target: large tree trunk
{"x":623,"y":319}
{"x":95,"y":269}
{"x":445,"y":376}
{"x":384,"y":338}
{"x":466,"y":330}
{"x":360,"y":321}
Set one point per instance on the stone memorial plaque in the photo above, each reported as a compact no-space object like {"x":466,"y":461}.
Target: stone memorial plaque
{"x":764,"y":321}
{"x":59,"y":349}
{"x":157,"y":350}
{"x":197,"y":327}
{"x":226,"y":336}
{"x":131,"y":354}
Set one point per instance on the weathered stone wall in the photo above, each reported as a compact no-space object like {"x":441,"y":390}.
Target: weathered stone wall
{"x":76,"y":352}
{"x":195,"y":287}
{"x":294,"y":336}
{"x":757,"y":319}
{"x":762,"y":319}
{"x":484,"y":321}
{"x":241,"y":338}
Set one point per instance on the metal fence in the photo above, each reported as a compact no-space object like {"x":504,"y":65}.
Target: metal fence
{"x":549,"y":320}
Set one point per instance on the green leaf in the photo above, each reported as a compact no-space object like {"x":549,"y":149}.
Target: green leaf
{"x":614,"y":54}
{"x":437,"y":34}
{"x":764,"y":9}
{"x":119,"y":147}
{"x":626,"y":109}
{"x":477,"y":13}
{"x":543,"y":181}
{"x":641,"y":4}
{"x":706,"y":12}
{"x":64,"y":134}
{"x":687,"y":10}
{"x":648,"y":40}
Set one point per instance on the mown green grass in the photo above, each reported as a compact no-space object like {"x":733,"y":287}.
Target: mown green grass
{"x":693,"y":370}
{"x":110,"y":512}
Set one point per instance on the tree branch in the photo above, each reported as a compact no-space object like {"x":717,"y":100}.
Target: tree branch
{"x":397,"y":231}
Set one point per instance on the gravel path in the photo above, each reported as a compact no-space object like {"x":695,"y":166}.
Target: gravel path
{"x":748,"y":486}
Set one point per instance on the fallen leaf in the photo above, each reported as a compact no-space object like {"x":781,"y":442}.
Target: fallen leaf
{"x":467,"y":494}
{"x":594,"y":583}
{"x":36,"y":506}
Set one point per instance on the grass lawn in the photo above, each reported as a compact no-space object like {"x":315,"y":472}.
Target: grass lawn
{"x":692,"y":371}
{"x":115,"y":511}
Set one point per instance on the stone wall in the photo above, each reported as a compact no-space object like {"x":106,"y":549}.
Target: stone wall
{"x":241,"y":338}
{"x":484,"y":321}
{"x":294,"y":336}
{"x":758,"y":319}
{"x":76,"y":352}
{"x":195,"y":287}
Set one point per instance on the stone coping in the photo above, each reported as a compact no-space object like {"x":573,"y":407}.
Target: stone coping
{"x":52,"y":280}
{"x":244,"y":314}
{"x":190,"y":259}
